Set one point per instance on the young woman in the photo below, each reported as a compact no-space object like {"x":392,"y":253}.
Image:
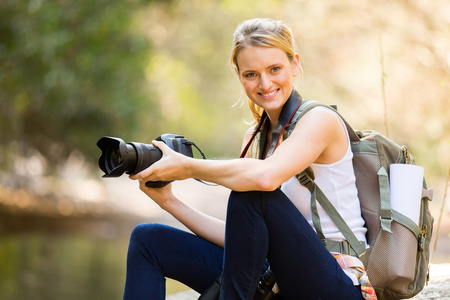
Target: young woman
{"x":269,"y":215}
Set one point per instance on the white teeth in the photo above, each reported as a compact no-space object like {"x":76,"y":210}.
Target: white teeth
{"x":269,"y":94}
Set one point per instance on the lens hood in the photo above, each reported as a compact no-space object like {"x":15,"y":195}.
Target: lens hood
{"x":114,"y":160}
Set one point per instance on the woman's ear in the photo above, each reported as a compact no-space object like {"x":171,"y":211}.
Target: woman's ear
{"x":296,"y":64}
{"x":296,"y":67}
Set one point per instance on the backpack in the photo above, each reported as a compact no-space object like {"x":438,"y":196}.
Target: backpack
{"x":398,"y":257}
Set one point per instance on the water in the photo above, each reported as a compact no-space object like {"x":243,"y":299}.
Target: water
{"x":63,"y":266}
{"x":49,"y":257}
{"x":41,"y":266}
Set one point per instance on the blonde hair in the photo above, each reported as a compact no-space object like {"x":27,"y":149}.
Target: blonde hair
{"x":261,"y":32}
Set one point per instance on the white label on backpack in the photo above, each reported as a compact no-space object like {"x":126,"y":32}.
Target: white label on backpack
{"x":406,"y":189}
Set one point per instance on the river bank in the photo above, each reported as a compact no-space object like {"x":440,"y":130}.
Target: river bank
{"x":438,"y":287}
{"x":106,"y":224}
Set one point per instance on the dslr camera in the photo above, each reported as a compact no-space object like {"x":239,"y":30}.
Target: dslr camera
{"x":264,"y":290}
{"x":119,"y":157}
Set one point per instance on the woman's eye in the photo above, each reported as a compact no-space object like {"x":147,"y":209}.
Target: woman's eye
{"x":275,"y":69}
{"x":250,"y":75}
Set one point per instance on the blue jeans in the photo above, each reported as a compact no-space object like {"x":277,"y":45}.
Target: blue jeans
{"x":157,"y":251}
{"x":260,"y":226}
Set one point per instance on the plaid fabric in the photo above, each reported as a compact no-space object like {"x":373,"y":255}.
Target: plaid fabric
{"x":354,"y":265}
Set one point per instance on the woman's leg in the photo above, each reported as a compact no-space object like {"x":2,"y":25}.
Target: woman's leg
{"x":267,"y":224}
{"x":157,"y":251}
{"x":246,"y":246}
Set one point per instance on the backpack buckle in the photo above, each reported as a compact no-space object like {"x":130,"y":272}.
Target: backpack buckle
{"x":386,"y":221}
{"x":422,"y":238}
{"x":306,"y":178}
{"x":345,"y":248}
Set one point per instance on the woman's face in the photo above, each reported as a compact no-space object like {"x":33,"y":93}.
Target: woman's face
{"x":267,"y":76}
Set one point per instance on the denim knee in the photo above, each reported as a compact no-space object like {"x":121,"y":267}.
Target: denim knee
{"x":143,"y":237}
{"x":146,"y":231}
{"x":143,"y":232}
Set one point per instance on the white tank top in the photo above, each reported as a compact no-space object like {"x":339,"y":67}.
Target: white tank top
{"x":338,"y":183}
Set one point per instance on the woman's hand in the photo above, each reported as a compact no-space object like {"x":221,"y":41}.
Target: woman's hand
{"x":173,"y":166}
{"x":170,"y":167}
{"x":162,"y":196}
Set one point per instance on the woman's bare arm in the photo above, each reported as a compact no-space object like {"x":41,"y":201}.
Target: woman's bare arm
{"x":318,"y":137}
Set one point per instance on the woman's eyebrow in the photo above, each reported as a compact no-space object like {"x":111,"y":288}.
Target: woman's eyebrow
{"x":275,"y":65}
{"x":268,"y":67}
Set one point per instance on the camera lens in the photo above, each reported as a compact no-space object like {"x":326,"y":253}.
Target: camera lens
{"x":113,"y":158}
{"x":146,"y":155}
{"x":119,"y":157}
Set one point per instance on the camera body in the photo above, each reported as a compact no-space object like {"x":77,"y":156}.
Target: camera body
{"x":119,"y":157}
{"x":263,"y":291}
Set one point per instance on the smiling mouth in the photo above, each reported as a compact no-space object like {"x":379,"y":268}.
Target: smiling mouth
{"x":270,"y":94}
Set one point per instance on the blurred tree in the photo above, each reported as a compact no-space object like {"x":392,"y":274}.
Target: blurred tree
{"x":341,"y":46}
{"x":70,"y":72}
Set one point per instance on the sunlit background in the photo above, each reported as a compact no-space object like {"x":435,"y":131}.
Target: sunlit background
{"x":74,"y":71}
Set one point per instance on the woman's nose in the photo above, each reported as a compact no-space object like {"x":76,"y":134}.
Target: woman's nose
{"x":264,"y":82}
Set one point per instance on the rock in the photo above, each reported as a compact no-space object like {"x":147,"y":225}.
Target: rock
{"x":187,"y":295}
{"x":438,"y":287}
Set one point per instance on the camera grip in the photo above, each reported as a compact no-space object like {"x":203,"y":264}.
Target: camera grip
{"x":156,"y":184}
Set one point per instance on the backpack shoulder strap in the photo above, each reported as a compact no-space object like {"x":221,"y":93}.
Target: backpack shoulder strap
{"x":306,"y":178}
{"x":307,"y":105}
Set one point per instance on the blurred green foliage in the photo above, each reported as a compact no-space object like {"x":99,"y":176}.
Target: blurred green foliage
{"x":70,"y":72}
{"x":346,"y":48}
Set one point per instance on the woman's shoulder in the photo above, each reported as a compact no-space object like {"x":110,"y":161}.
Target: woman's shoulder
{"x":320,"y":115}
{"x":323,"y":128}
{"x":248,"y":136}
{"x":251,"y":130}
{"x":249,"y":133}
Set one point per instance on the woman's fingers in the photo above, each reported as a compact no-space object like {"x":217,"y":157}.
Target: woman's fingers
{"x":148,"y":172}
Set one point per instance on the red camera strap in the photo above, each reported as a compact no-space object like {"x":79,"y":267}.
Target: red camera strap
{"x":288,"y":111}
